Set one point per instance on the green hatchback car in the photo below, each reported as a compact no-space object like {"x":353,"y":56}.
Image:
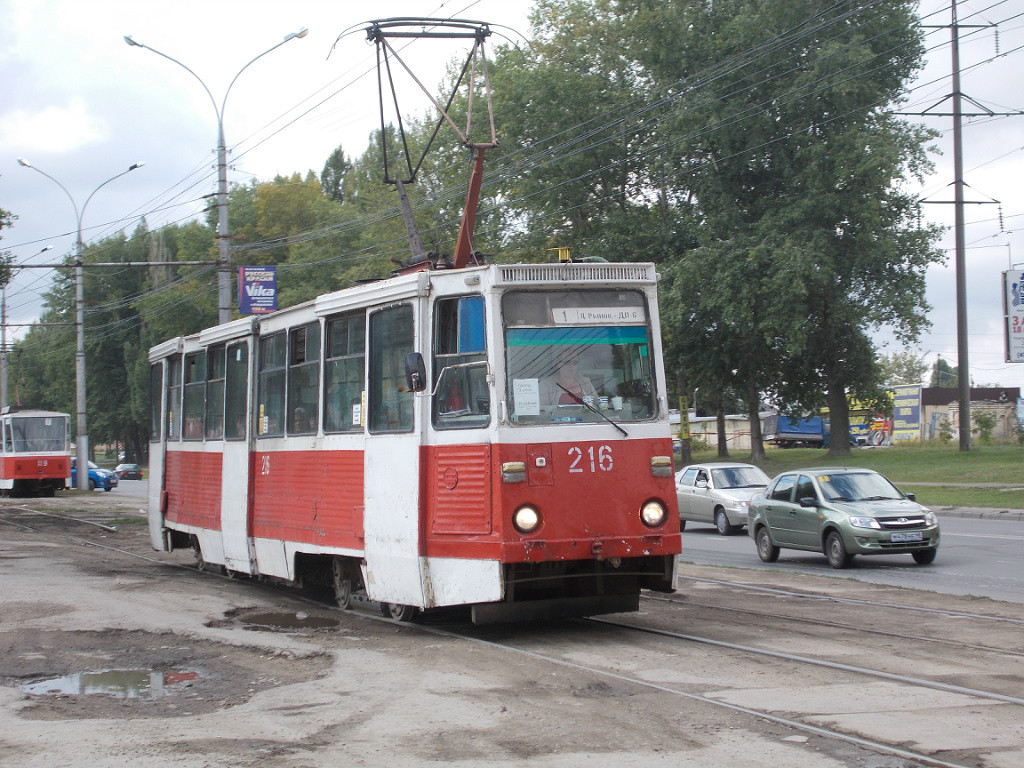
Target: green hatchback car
{"x":842,"y":513}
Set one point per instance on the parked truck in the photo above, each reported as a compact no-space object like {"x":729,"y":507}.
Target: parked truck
{"x":811,"y":432}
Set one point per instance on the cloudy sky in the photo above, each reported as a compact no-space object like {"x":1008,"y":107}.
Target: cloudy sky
{"x":80,"y":104}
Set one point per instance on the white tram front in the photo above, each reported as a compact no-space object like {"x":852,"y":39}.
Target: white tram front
{"x":495,"y":436}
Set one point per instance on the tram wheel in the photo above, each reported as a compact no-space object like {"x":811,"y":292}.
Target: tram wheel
{"x":398,"y":612}
{"x":197,"y":552}
{"x":342,"y":580}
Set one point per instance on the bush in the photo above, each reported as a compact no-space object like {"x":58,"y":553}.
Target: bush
{"x":984,"y":423}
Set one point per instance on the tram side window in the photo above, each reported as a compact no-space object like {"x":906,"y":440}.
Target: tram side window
{"x":462,"y":398}
{"x":344,"y":371}
{"x":156,"y":380}
{"x":303,"y":379}
{"x":215,"y":393}
{"x":389,"y":400}
{"x":237,"y":386}
{"x":270,"y":396}
{"x":174,"y":398}
{"x":195,"y":395}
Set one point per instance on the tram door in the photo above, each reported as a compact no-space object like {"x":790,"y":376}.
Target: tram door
{"x":391,"y":463}
{"x":157,"y":451}
{"x":236,"y":521}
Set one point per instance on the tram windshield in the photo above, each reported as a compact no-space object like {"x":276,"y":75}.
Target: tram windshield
{"x":578,"y":356}
{"x":30,"y":434}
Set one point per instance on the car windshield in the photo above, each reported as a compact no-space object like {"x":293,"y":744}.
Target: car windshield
{"x":739,"y":477}
{"x":857,"y":486}
{"x":575,"y":356}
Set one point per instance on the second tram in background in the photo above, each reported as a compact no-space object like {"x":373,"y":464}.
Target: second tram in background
{"x":35,"y":459}
{"x":495,"y":437}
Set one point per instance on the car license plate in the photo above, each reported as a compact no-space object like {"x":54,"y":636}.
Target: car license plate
{"x":908,"y":536}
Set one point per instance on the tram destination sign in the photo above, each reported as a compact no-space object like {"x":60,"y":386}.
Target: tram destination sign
{"x":257,"y":290}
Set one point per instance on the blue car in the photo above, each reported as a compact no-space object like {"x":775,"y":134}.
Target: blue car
{"x":98,"y":477}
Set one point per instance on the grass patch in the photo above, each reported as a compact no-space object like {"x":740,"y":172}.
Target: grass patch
{"x":907,"y":465}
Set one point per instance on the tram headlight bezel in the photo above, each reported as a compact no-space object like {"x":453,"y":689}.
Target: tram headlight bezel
{"x":526,"y":519}
{"x":653,"y":513}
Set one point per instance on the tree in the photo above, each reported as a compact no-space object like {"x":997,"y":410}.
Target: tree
{"x":787,"y":141}
{"x":944,"y":374}
{"x":6,"y":220}
{"x":903,"y":367}
{"x":333,"y":175}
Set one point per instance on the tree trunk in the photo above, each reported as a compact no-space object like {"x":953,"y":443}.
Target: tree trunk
{"x":753,"y":408}
{"x":839,"y":418}
{"x":686,"y":456}
{"x":723,"y":440}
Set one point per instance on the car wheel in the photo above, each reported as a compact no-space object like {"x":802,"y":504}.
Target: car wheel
{"x":682,"y":525}
{"x":725,"y":528}
{"x":92,"y":484}
{"x":766,"y":550}
{"x":925,"y":556}
{"x":108,"y":489}
{"x":835,"y":550}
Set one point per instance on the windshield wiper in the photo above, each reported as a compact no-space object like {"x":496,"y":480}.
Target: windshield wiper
{"x":585,"y":404}
{"x":878,"y":498}
{"x":839,"y":498}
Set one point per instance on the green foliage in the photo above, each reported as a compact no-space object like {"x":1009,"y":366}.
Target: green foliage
{"x":904,"y":367}
{"x":983,"y":423}
{"x":748,"y":147}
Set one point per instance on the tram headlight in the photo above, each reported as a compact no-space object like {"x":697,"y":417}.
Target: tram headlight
{"x":526,"y":519}
{"x":653,"y":513}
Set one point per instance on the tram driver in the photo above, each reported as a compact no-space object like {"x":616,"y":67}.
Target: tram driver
{"x":567,"y":381}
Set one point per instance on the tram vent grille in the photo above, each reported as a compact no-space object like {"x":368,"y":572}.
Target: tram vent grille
{"x":580,"y":273}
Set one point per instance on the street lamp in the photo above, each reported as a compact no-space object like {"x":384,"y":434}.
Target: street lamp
{"x":223,"y":260}
{"x":82,"y":434}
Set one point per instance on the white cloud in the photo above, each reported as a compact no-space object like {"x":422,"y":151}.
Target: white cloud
{"x":54,"y":129}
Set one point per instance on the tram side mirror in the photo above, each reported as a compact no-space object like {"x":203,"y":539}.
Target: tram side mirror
{"x":415,"y":372}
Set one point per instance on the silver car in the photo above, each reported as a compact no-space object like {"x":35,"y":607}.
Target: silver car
{"x":718,"y":493}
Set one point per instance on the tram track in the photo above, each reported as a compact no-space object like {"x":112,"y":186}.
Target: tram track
{"x":790,"y":618}
{"x":563,"y":659}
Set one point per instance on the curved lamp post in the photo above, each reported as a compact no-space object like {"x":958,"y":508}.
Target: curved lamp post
{"x":223,"y":260}
{"x":82,"y":434}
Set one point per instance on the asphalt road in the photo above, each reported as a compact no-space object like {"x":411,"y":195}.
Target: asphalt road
{"x":977,"y":556}
{"x":981,"y":557}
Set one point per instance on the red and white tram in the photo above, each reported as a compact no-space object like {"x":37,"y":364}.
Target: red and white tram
{"x":34,"y":455}
{"x":495,"y":436}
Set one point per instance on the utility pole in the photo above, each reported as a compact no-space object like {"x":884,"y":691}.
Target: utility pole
{"x":961,"y":247}
{"x":960,"y":254}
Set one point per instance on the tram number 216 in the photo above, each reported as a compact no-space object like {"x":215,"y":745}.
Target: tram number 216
{"x":596,"y":459}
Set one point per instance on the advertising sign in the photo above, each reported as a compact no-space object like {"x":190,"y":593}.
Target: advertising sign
{"x":906,"y":413}
{"x":1013,"y":309}
{"x":257,"y":290}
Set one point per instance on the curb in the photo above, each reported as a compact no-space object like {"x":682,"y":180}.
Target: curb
{"x":979,"y":513}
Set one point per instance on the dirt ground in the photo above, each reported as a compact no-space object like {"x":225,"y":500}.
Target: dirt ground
{"x":201,"y":670}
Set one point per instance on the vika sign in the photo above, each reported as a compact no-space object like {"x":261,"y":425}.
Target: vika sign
{"x":257,"y":290}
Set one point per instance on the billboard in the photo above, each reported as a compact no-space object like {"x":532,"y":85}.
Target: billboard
{"x":257,"y":290}
{"x":906,"y":413}
{"x":1013,"y":311}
